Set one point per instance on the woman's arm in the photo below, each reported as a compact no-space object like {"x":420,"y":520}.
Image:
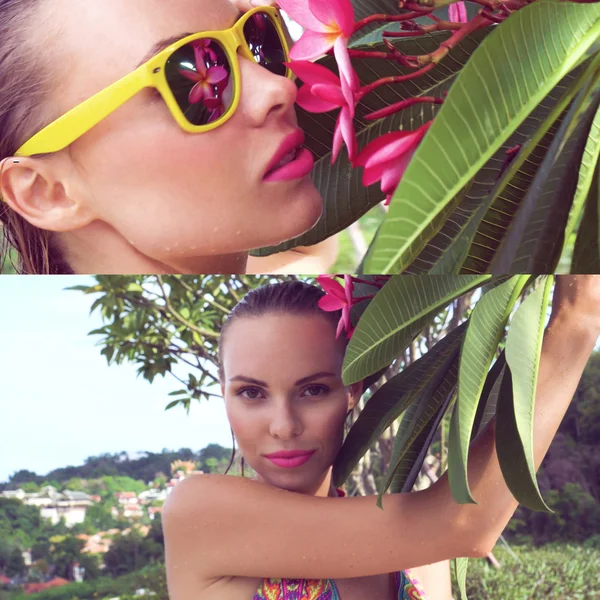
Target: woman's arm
{"x":228,"y":526}
{"x":568,"y":343}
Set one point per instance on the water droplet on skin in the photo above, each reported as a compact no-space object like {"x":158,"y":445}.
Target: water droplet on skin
{"x":238,"y":233}
{"x":167,"y":250}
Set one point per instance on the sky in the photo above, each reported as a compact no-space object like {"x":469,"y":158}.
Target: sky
{"x":59,"y":400}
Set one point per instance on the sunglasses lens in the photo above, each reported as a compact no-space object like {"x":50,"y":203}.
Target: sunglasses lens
{"x":265,"y":43}
{"x":201,"y":79}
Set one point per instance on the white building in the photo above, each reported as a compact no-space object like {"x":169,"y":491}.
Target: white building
{"x":53,"y":505}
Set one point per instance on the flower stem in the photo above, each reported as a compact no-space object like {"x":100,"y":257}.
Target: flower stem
{"x":399,"y":106}
{"x":381,"y":18}
{"x":391,"y":80}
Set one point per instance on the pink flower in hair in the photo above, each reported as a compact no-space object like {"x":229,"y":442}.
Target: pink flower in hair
{"x":338,"y":297}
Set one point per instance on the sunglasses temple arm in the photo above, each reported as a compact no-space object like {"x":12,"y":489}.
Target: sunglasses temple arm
{"x":71,"y":126}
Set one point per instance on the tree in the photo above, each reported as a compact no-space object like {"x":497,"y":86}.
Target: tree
{"x":169,"y":326}
{"x":23,"y":476}
{"x":65,"y":554}
{"x":15,"y":565}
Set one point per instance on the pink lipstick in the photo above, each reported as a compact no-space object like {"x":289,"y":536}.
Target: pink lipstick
{"x":291,"y":161}
{"x":290,"y":459}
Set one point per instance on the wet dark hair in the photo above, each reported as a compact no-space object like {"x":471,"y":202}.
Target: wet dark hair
{"x":25,"y":80}
{"x":289,"y":297}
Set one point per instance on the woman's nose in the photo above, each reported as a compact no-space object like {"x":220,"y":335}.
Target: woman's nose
{"x":285,"y":424}
{"x":264,"y":94}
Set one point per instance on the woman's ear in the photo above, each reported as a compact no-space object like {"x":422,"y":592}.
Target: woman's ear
{"x":42,"y":194}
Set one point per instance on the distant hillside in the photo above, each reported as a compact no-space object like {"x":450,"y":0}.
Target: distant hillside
{"x":145,"y":468}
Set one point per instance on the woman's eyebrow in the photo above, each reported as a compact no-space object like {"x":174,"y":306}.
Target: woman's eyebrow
{"x":313,"y":377}
{"x":249,"y":380}
{"x":165,"y":43}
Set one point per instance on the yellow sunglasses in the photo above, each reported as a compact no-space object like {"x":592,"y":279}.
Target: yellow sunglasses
{"x":198,"y":77}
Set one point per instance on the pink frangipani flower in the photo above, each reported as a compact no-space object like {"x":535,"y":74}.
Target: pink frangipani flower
{"x":386,"y":158}
{"x":323,"y":92}
{"x":338,"y":297}
{"x":329,"y":24}
{"x":457,"y":12}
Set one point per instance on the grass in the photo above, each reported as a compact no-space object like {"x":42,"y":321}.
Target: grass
{"x":558,"y":571}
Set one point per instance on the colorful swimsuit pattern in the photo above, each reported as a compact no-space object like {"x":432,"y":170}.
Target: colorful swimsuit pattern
{"x":408,"y":587}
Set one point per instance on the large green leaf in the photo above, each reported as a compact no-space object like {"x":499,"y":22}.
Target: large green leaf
{"x":515,"y":420}
{"x":586,"y":253}
{"x":403,"y":303}
{"x":468,"y":238}
{"x":486,"y":327}
{"x":436,"y":392}
{"x":586,"y":176}
{"x":410,"y":464}
{"x":388,"y":403}
{"x":507,"y":77}
{"x":345,"y":198}
{"x":534,"y":240}
{"x":486,"y":409}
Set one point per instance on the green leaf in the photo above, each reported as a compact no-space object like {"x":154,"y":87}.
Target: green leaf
{"x":390,"y":322}
{"x":410,"y":464}
{"x":534,"y":240}
{"x":486,"y":409}
{"x":345,"y":197}
{"x":435,"y":391}
{"x":523,"y":349}
{"x":586,"y":176}
{"x":460,"y":572}
{"x":536,"y":47}
{"x":586,"y":253}
{"x":388,"y":403}
{"x":486,"y":327}
{"x":469,"y":237}
{"x":173,"y":404}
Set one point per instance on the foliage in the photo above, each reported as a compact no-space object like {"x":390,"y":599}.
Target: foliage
{"x":152,"y":578}
{"x":500,"y":182}
{"x":129,"y":553}
{"x":554,"y":572}
{"x":169,"y":325}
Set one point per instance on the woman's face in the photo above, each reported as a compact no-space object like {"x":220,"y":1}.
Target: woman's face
{"x":283,"y":390}
{"x":170,"y":194}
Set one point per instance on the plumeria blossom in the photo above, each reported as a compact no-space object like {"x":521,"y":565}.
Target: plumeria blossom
{"x":457,"y":12}
{"x":338,"y":297}
{"x":323,"y":92}
{"x":205,"y":78}
{"x":387,"y":157}
{"x":329,"y":24}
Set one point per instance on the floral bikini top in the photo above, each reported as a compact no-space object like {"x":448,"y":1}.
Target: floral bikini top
{"x":408,"y":587}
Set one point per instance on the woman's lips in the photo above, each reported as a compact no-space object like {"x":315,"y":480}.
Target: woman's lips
{"x":291,"y":462}
{"x":299,"y":168}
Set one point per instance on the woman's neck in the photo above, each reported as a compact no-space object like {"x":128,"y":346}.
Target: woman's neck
{"x":99,"y":249}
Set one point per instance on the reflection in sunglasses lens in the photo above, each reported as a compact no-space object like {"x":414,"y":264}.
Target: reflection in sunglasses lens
{"x":200,"y":77}
{"x":265,"y":44}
